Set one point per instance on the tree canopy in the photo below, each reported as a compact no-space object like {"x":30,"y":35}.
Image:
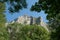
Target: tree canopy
{"x":52,"y":7}
{"x":28,"y":32}
{"x":2,"y":16}
{"x":15,"y":5}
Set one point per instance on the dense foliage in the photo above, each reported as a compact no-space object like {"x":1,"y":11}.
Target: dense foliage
{"x":2,"y":16}
{"x":24,"y":32}
{"x":52,"y":8}
{"x":4,"y":35}
{"x":15,"y":5}
{"x":55,"y":34}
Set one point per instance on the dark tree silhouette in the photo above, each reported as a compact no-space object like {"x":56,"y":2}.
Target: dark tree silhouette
{"x":52,"y":8}
{"x":15,"y":5}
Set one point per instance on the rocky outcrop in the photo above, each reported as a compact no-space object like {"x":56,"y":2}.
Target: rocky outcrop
{"x":29,"y":20}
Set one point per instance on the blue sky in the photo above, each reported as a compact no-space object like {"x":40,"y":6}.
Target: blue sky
{"x":27,"y":11}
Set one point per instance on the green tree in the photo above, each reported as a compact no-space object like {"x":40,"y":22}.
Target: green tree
{"x":2,"y":16}
{"x":52,"y":8}
{"x":15,"y":5}
{"x":28,"y":32}
{"x":4,"y":35}
{"x":55,"y":35}
{"x":3,"y":31}
{"x":49,"y":6}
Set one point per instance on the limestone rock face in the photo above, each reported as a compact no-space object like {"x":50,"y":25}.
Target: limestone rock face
{"x":29,"y":20}
{"x":43,"y":24}
{"x":24,"y":19}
